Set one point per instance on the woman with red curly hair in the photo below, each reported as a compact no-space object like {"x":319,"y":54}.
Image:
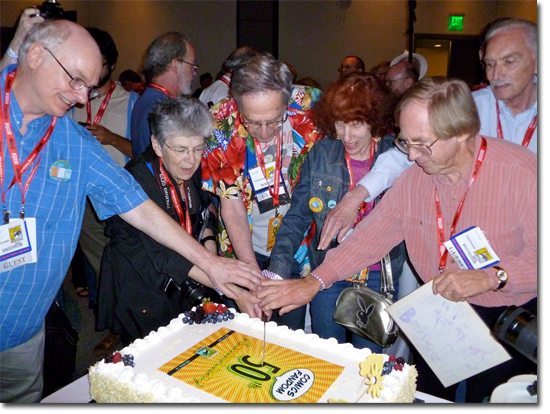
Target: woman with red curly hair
{"x":356,"y":114}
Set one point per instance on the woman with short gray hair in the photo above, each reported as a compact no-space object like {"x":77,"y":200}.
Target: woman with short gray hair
{"x":143,"y":284}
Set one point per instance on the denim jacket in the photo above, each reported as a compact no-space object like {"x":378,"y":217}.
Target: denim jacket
{"x":324,"y":175}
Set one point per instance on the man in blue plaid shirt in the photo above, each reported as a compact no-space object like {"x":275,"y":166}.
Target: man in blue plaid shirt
{"x":48,"y":165}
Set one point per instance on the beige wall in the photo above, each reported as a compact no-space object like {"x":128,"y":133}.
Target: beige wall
{"x":524,"y":9}
{"x":135,"y":24}
{"x":314,"y":36}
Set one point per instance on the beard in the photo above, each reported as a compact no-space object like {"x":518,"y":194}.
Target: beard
{"x":185,"y":87}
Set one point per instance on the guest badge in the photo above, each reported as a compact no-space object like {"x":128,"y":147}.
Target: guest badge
{"x":261,"y":187}
{"x":17,"y":243}
{"x":471,"y":249}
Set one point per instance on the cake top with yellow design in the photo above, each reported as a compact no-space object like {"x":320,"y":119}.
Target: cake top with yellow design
{"x":222,"y":362}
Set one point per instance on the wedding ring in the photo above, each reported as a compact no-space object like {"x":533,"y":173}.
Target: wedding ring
{"x":448,"y":294}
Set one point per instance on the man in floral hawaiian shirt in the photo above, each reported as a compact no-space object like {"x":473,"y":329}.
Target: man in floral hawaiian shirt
{"x":253,"y":160}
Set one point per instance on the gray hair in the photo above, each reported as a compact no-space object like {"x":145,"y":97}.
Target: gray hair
{"x":50,"y":34}
{"x":160,"y":53}
{"x":452,"y":111}
{"x":181,"y":116}
{"x":237,"y":57}
{"x":261,"y":72}
{"x":500,"y":25}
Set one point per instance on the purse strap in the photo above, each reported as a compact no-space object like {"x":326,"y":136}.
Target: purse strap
{"x":386,"y":277}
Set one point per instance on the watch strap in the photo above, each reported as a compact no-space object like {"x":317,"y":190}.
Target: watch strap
{"x":501,"y":276}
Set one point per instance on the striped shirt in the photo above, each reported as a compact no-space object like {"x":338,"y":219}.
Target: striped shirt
{"x":27,"y":292}
{"x":502,"y":202}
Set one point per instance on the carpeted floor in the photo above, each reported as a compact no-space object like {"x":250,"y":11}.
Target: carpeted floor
{"x":83,"y":320}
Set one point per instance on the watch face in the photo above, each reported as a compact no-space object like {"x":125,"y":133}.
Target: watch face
{"x":502,"y":275}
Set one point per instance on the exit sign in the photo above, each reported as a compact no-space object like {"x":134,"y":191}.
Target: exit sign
{"x":456,"y":23}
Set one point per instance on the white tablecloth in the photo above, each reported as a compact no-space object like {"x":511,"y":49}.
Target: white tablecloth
{"x":79,"y":392}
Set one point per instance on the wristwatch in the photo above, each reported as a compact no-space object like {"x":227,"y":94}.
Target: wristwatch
{"x":502,"y":277}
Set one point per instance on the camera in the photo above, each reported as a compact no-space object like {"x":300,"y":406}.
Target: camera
{"x":193,"y":291}
{"x":50,"y":10}
{"x":517,"y":327}
{"x":84,"y":124}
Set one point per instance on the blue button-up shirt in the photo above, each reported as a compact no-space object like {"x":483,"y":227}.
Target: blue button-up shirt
{"x":27,"y":292}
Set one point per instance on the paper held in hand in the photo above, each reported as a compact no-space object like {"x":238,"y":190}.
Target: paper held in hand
{"x":450,"y":336}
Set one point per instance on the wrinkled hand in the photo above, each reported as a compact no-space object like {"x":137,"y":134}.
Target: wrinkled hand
{"x":246,"y":301}
{"x":27,"y":20}
{"x":458,"y":285}
{"x":287,"y":295}
{"x":102,"y":134}
{"x":223,"y":271}
{"x":342,"y":217}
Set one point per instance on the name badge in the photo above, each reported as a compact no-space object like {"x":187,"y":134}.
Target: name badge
{"x":17,"y":243}
{"x":260,"y":187}
{"x":471,"y":250}
{"x":257,"y":179}
{"x":274,"y":225}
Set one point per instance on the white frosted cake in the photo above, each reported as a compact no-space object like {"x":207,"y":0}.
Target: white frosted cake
{"x":222,"y":362}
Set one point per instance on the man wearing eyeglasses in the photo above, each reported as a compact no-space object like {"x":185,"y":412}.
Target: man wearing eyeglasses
{"x":49,"y":166}
{"x":460,"y":180}
{"x":351,"y":64}
{"x":169,"y":68}
{"x":400,"y":77}
{"x":253,"y":161}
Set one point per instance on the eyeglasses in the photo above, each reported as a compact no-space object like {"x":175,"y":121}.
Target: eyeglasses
{"x":390,"y":82}
{"x":76,"y":83}
{"x":196,"y":67}
{"x":270,"y":125}
{"x":182,"y":152}
{"x":405,"y":147}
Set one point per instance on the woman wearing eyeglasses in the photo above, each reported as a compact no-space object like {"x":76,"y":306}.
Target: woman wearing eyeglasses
{"x":143,"y":284}
{"x":356,"y":115}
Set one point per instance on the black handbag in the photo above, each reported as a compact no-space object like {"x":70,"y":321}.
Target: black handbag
{"x":362,"y":310}
{"x":59,"y":350}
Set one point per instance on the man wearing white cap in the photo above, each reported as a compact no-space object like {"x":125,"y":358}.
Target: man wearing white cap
{"x":419,"y":62}
{"x":403,"y":74}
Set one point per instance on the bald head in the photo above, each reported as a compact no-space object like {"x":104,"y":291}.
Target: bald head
{"x":400,"y":77}
{"x":59,"y":64}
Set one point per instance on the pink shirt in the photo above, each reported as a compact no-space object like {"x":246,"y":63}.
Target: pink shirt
{"x":502,"y":202}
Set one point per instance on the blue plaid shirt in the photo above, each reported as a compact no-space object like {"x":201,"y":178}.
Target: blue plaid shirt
{"x":27,"y":292}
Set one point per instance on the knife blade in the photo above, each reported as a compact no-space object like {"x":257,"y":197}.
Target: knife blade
{"x":264,"y":320}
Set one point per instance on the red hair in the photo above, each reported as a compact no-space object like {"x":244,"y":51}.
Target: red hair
{"x":359,"y":97}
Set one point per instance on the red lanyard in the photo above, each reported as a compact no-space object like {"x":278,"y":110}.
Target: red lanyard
{"x":18,"y":168}
{"x":439,"y":214}
{"x":273,"y":191}
{"x":184,"y":219}
{"x":101,"y":109}
{"x":225,"y":80}
{"x":161,"y":88}
{"x":528,"y":134}
{"x":365,"y":207}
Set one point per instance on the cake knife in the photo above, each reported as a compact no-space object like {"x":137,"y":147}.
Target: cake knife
{"x":264,"y":320}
